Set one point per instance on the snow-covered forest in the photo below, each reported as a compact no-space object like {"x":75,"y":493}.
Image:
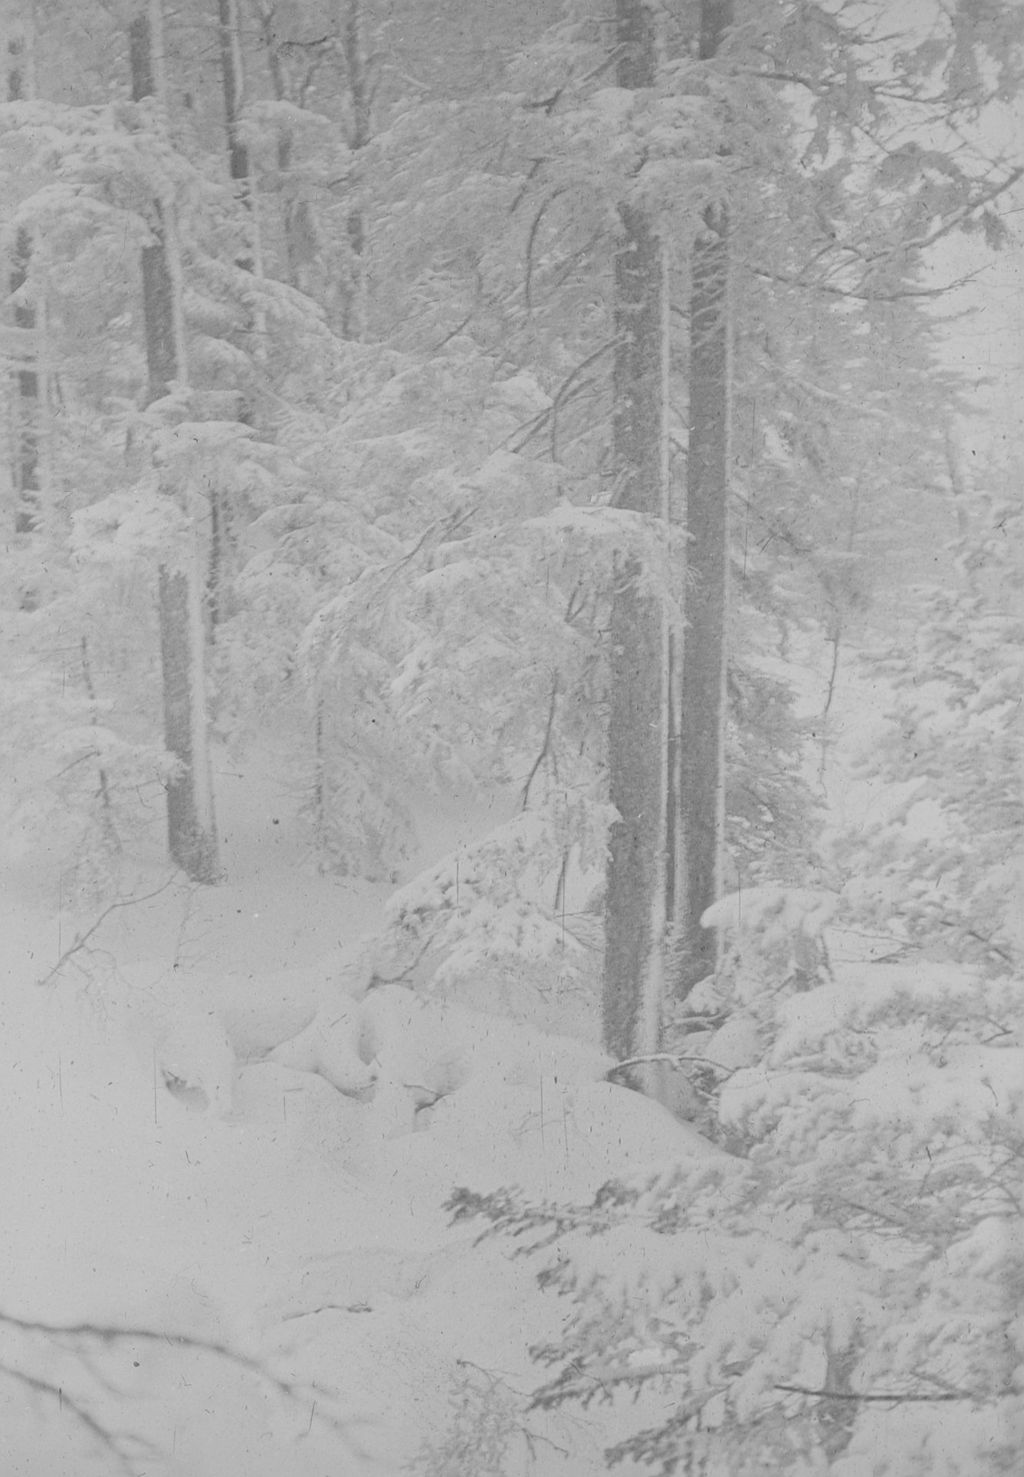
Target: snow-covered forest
{"x":511,"y":655}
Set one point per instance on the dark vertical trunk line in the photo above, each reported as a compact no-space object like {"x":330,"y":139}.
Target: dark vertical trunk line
{"x":715,"y":19}
{"x":215,"y":566}
{"x":191,"y":845}
{"x":239,"y":164}
{"x":191,"y":835}
{"x":636,"y":720}
{"x":25,"y":467}
{"x":158,"y":302}
{"x":361,"y":101}
{"x":106,"y":804}
{"x":27,"y":481}
{"x":701,"y":708}
{"x":240,"y":172}
{"x":284,"y":145}
{"x":320,"y":780}
{"x":227,"y":24}
{"x":673,"y":786}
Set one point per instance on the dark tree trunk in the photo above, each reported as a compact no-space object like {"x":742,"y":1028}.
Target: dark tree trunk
{"x":701,"y":708}
{"x":350,"y":31}
{"x":25,"y":459}
{"x":291,"y":210}
{"x":635,"y":882}
{"x":239,"y":166}
{"x":191,"y":833}
{"x":240,"y":172}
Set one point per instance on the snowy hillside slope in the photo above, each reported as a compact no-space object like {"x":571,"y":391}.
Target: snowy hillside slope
{"x":228,"y":1149}
{"x":225,"y":1166}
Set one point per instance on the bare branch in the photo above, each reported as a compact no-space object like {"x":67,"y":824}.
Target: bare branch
{"x":672,"y":1059}
{"x":67,"y":1404}
{"x":531,"y":240}
{"x":545,"y":748}
{"x":71,"y":1335}
{"x":83,"y":938}
{"x":893,"y":1398}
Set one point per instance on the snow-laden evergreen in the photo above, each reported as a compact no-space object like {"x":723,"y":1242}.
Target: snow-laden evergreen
{"x":945,"y":862}
{"x":236,"y":1114}
{"x":836,"y":1290}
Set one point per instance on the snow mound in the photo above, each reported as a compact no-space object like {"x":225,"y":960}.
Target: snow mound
{"x":328,"y":1047}
{"x":414,"y":1051}
{"x":197,"y":1062}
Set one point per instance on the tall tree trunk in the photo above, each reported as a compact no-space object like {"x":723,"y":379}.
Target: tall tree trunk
{"x":232,"y":83}
{"x":191,"y":832}
{"x":350,"y":35}
{"x":294,"y":213}
{"x":249,"y":260}
{"x":701,"y":708}
{"x":26,"y":442}
{"x":637,"y":723}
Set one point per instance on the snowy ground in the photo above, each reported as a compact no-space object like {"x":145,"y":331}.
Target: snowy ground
{"x":219,"y":1140}
{"x":213,"y":1143}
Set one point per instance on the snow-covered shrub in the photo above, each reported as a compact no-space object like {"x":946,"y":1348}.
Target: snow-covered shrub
{"x":83,"y":766}
{"x":485,"y":1421}
{"x":945,"y":865}
{"x":839,"y":1292}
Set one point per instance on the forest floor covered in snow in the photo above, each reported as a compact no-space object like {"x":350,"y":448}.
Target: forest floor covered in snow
{"x":225,"y":1166}
{"x":226,"y":1258}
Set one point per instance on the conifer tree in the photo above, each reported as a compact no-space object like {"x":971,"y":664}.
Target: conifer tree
{"x":821,"y":1291}
{"x":349,"y":21}
{"x":635,"y":912}
{"x":26,"y":449}
{"x":699,"y":712}
{"x":191,"y":830}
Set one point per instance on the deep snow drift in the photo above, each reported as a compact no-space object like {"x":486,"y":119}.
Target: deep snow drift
{"x":219,"y":1139}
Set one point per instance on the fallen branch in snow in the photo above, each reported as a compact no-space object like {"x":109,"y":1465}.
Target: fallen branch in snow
{"x":670,"y":1058}
{"x":499,"y":1381}
{"x":485,"y":1421}
{"x":890,"y":1215}
{"x":66,"y":1404}
{"x":545,"y":748}
{"x":980,"y":938}
{"x":81,"y":1341}
{"x":893,"y":1398}
{"x":82,"y":939}
{"x":377,"y":980}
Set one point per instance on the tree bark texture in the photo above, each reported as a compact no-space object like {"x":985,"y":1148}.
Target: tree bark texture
{"x":27,"y":418}
{"x":191,"y":836}
{"x":350,"y":34}
{"x":701,"y":709}
{"x":249,"y":260}
{"x":239,"y":166}
{"x":635,"y":878}
{"x":293,"y":211}
{"x":191,"y":832}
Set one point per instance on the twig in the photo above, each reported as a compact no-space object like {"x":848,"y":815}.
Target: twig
{"x":979,"y":938}
{"x":462,"y":323}
{"x":104,"y":783}
{"x":901,"y":1222}
{"x":82,"y":939}
{"x":74,"y":763}
{"x":545,"y":748}
{"x":65,"y":1336}
{"x":674,"y":1059}
{"x":494,"y":1379}
{"x":891,"y":1399}
{"x":536,"y":423}
{"x":377,"y":980}
{"x":530,"y":242}
{"x":106,"y":1440}
{"x":562,"y":393}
